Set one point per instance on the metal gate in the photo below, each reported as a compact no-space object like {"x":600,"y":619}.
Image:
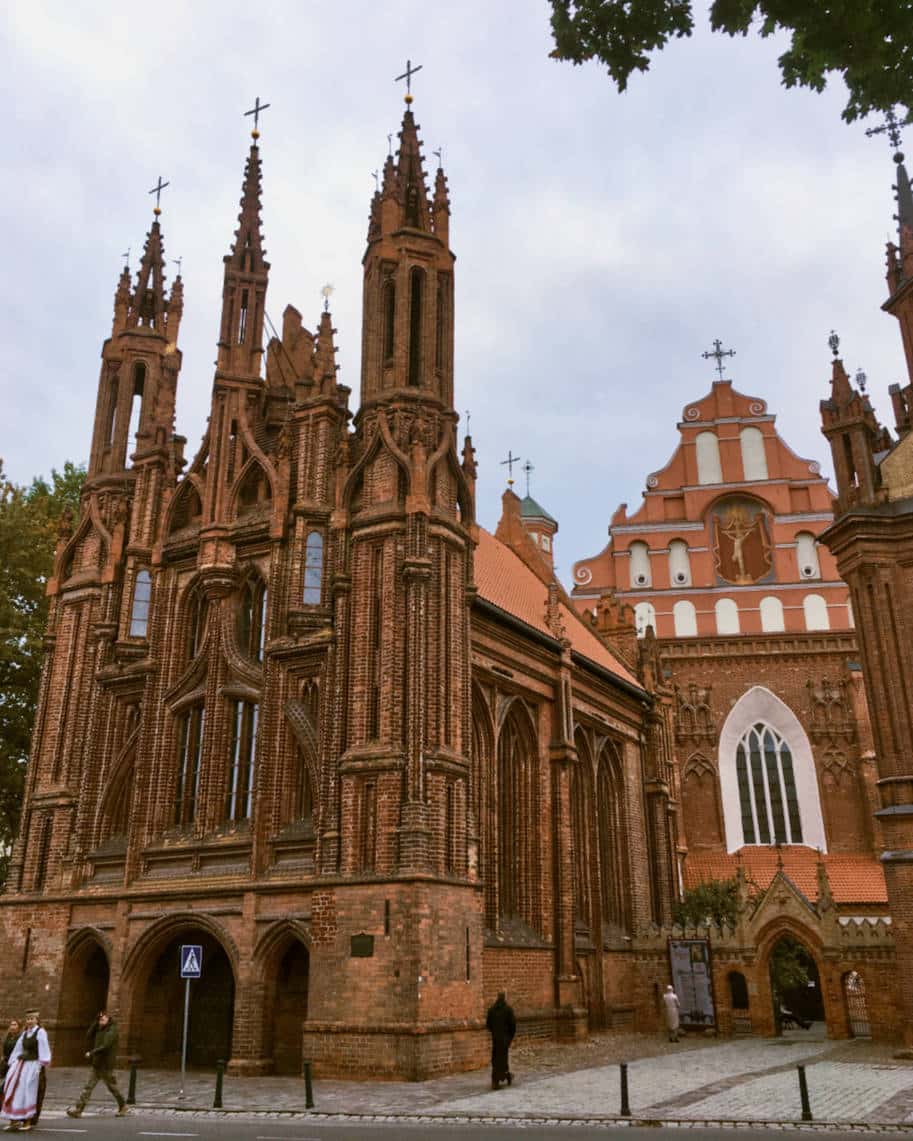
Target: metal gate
{"x":858,"y":1012}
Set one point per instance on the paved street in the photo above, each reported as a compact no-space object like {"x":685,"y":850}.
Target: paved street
{"x":745,"y":1080}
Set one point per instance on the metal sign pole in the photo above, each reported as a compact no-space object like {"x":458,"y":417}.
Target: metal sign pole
{"x":184,"y":1043}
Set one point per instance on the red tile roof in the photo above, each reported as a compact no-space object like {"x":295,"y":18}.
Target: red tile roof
{"x":855,"y":878}
{"x":507,"y":582}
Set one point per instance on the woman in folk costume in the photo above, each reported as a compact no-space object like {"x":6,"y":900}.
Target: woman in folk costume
{"x":23,"y":1088}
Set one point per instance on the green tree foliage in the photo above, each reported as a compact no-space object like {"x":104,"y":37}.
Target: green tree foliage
{"x":713,"y":901}
{"x":868,"y":42}
{"x":29,"y":522}
{"x":789,"y":966}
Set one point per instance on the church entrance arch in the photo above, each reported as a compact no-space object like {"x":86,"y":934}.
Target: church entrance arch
{"x":795,"y":985}
{"x":83,"y":993}
{"x":156,"y":1025}
{"x":286,"y":981}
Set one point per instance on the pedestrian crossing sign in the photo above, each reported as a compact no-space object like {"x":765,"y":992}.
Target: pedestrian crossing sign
{"x":191,"y":960}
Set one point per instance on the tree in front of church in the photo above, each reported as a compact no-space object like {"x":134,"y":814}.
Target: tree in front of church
{"x":713,"y":902}
{"x":30,"y":518}
{"x":869,"y":44}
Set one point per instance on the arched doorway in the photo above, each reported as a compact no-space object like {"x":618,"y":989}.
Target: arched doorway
{"x":157,"y":1032}
{"x":290,"y":1008}
{"x":795,"y":985}
{"x":856,"y":1007}
{"x":83,"y":993}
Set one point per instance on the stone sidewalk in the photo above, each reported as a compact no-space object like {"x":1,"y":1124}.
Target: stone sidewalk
{"x":745,"y":1080}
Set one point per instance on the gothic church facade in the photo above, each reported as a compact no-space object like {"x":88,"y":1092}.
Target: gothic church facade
{"x":301,"y":710}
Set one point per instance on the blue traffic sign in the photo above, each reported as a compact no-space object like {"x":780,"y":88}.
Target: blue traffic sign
{"x":191,"y":960}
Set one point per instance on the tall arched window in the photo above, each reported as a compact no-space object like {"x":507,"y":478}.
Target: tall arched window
{"x":772,"y":620}
{"x":679,"y":564}
{"x":252,"y":619}
{"x":196,"y":621}
{"x":768,"y":780}
{"x":641,"y":575}
{"x":517,"y":800}
{"x":240,"y":789}
{"x":815,"y":608}
{"x":644,"y":616}
{"x":707,"y":447}
{"x":612,"y":840}
{"x":727,"y":616}
{"x":389,"y":319}
{"x":416,"y":305}
{"x":580,"y":840}
{"x":191,"y":724}
{"x":767,"y":788}
{"x":754,"y":459}
{"x":136,"y":406}
{"x":807,"y":555}
{"x":684,"y":615}
{"x":142,"y":598}
{"x":313,"y":569}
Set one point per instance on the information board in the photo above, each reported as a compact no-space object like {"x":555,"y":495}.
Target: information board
{"x":689,"y":960}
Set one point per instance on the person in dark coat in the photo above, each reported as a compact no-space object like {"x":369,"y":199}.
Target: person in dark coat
{"x":12,"y":1037}
{"x":101,"y":1038}
{"x":502,"y":1025}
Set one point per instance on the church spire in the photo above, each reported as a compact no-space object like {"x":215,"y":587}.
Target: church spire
{"x":246,"y":277}
{"x":147,"y":303}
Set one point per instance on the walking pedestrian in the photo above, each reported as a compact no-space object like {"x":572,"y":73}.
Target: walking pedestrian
{"x":502,"y":1025}
{"x":25,"y":1082}
{"x":12,"y":1037}
{"x":102,"y":1041}
{"x":671,"y":1004}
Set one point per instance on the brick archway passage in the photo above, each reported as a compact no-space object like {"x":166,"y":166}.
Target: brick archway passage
{"x":83,"y":993}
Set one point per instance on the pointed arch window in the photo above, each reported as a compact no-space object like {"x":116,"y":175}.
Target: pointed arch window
{"x":252,"y":619}
{"x":389,"y":308}
{"x":416,"y":303}
{"x":142,"y":600}
{"x":196,"y":622}
{"x":136,"y":406}
{"x":611,"y":834}
{"x":191,"y":724}
{"x":768,"y":799}
{"x":516,"y":800}
{"x":313,"y":569}
{"x":240,"y":791}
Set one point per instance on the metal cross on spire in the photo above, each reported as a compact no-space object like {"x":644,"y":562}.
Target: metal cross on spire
{"x":439,"y":155}
{"x":528,"y":469}
{"x":468,"y":417}
{"x":255,"y":111}
{"x":178,"y":262}
{"x":326,"y":293}
{"x":126,"y":256}
{"x":390,"y":144}
{"x":891,"y":128}
{"x":510,"y":461}
{"x":375,"y":174}
{"x":157,"y":191}
{"x":407,"y":75}
{"x":718,"y":352}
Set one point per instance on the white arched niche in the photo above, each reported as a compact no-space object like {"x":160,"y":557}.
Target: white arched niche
{"x":679,"y":564}
{"x":807,"y":555}
{"x":644,"y":616}
{"x":754,"y":458}
{"x":816,"y":616}
{"x":727,"y":616}
{"x":772,"y":621}
{"x":759,"y":705}
{"x":641,"y":575}
{"x":684,"y":616}
{"x":709,"y":469}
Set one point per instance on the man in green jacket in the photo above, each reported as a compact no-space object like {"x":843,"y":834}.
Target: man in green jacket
{"x":102,"y":1039}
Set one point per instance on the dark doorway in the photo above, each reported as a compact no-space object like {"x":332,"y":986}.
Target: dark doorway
{"x":794,"y":984}
{"x":291,"y":1008}
{"x":84,"y":992}
{"x":212,"y":1004}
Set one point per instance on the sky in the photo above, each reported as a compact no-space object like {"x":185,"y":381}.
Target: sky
{"x":603,"y":240}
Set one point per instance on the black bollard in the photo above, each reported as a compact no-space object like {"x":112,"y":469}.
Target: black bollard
{"x":220,"y":1074}
{"x":803,"y":1093}
{"x":625,"y":1104}
{"x":131,"y":1088}
{"x":308,"y":1087}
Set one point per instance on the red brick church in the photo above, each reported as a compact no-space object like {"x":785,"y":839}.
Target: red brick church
{"x":300,"y":709}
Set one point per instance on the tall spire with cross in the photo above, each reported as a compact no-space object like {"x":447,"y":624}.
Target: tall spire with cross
{"x":900,"y":254}
{"x":246,"y":274}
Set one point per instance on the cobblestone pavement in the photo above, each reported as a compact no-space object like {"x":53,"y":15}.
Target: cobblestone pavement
{"x":750,"y":1079}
